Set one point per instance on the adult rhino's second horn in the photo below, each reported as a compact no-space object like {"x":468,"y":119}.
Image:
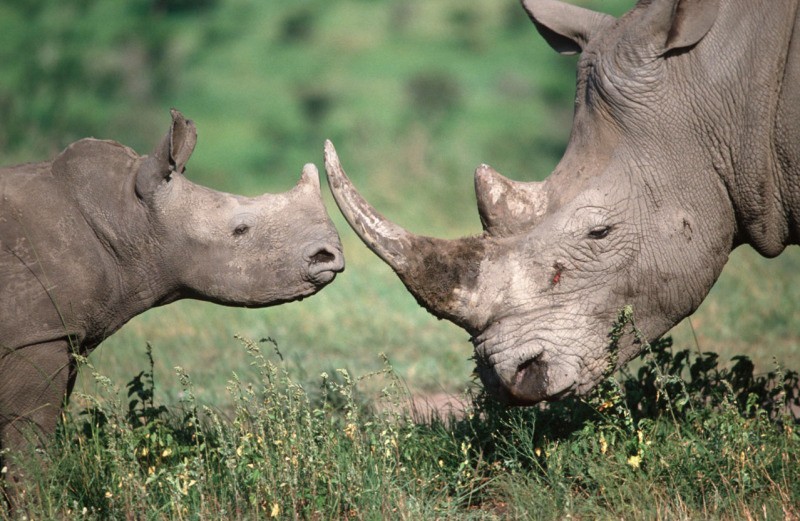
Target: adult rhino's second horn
{"x":441,"y":274}
{"x":507,"y":207}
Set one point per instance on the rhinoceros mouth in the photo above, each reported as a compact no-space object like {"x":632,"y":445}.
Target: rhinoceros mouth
{"x":322,"y":278}
{"x":526,"y":390}
{"x":519,"y":371}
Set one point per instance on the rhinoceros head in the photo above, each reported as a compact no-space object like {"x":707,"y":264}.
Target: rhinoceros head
{"x":629,"y":217}
{"x":231,"y":249}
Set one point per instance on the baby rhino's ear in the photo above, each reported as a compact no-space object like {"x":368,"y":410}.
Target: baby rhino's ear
{"x":182,"y":139}
{"x":170,"y":156}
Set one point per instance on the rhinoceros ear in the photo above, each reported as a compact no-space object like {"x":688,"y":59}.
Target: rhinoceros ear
{"x":567,"y":28}
{"x":182,"y":139}
{"x":170,"y":155}
{"x":677,"y":24}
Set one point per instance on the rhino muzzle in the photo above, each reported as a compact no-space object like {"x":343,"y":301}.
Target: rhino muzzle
{"x":322,"y":257}
{"x":323,"y":261}
{"x":526,"y":383}
{"x":520,"y":372}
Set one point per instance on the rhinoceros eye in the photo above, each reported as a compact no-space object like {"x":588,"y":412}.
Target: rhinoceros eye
{"x":599,"y":232}
{"x":240,"y":230}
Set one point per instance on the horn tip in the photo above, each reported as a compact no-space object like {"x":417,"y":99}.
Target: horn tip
{"x":483,"y":169}
{"x":310,"y":174}
{"x":332,"y":165}
{"x":485,"y":174}
{"x":310,"y":169}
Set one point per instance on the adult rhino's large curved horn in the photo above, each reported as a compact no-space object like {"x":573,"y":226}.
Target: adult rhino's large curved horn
{"x":441,"y":274}
{"x":507,"y":207}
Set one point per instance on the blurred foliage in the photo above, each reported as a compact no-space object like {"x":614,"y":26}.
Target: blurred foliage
{"x":79,"y":68}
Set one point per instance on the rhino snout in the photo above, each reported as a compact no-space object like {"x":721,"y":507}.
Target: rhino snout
{"x":526,"y":383}
{"x":530,"y":381}
{"x":522,"y":384}
{"x":323,"y":261}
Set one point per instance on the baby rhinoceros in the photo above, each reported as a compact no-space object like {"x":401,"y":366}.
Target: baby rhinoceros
{"x":100,"y":234}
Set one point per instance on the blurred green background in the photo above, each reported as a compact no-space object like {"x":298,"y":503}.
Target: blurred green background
{"x":414,"y":93}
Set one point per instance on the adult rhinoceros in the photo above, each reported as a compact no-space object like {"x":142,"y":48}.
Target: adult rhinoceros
{"x":100,"y":234}
{"x":685,"y":144}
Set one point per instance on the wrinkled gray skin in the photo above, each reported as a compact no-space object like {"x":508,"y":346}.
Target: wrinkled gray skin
{"x":100,"y":234}
{"x":685,"y":144}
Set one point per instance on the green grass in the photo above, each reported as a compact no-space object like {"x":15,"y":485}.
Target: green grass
{"x":684,"y":437}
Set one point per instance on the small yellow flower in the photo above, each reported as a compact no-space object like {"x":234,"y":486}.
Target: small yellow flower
{"x":109,"y":495}
{"x":603,"y":445}
{"x":350,"y":431}
{"x":441,"y":463}
{"x":276,"y":510}
{"x":635,"y":461}
{"x":605,"y":405}
{"x":166,"y":453}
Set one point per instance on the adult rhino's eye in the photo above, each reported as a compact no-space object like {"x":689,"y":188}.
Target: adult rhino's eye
{"x":240,"y":230}
{"x":599,"y":232}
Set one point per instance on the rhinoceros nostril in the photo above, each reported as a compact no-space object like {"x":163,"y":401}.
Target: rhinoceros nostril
{"x":322,"y":257}
{"x":522,"y":368}
{"x":324,"y":261}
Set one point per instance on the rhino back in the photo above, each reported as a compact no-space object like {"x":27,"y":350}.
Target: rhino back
{"x":52,"y":266}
